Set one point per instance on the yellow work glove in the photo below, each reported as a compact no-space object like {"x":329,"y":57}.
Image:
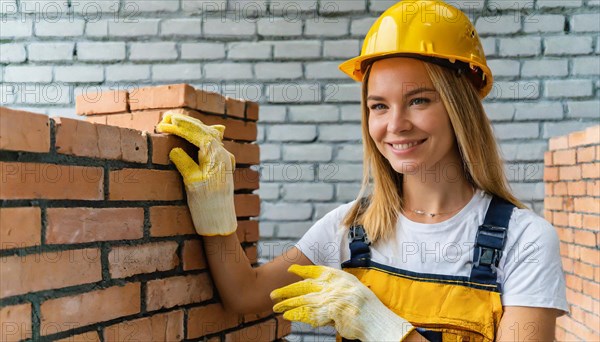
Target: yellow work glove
{"x":209,"y":184}
{"x":329,"y":296}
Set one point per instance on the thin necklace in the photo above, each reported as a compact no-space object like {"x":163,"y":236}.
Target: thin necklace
{"x":424,"y":213}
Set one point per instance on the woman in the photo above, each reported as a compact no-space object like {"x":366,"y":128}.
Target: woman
{"x":435,"y":247}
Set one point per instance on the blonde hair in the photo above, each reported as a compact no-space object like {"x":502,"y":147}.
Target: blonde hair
{"x":482,"y":164}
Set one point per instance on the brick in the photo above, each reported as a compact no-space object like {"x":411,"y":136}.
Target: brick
{"x":24,"y":131}
{"x":160,"y":327}
{"x":59,"y":28}
{"x":126,"y":261}
{"x":234,"y":107}
{"x":202,"y":51}
{"x":295,"y":172}
{"x":344,"y":132}
{"x":50,"y":181}
{"x":176,"y":72}
{"x":311,"y":152}
{"x":544,"y":68}
{"x":88,"y":308}
{"x":235,"y":129}
{"x":265,"y":331}
{"x":311,"y":114}
{"x":249,"y":50}
{"x":287,"y":211}
{"x":21,"y":274}
{"x":141,"y":121}
{"x":570,"y":172}
{"x":544,"y":23}
{"x":591,"y":222}
{"x":548,"y":158}
{"x":246,"y":205}
{"x":244,"y":153}
{"x":498,"y":25}
{"x":245,"y":179}
{"x":296,"y":133}
{"x":20,"y":227}
{"x":588,"y":22}
{"x":568,"y":88}
{"x":16,"y":322}
{"x":576,"y":188}
{"x":250,"y":229}
{"x":228,"y":71}
{"x":577,"y":138}
{"x":210,"y":319}
{"x":567,"y":45}
{"x":180,"y":290}
{"x":97,"y":29}
{"x":116,"y":73}
{"x":496,"y":111}
{"x":90,"y":336}
{"x":193,"y":255}
{"x":340,"y":6}
{"x":590,"y":170}
{"x":170,"y":220}
{"x":162,"y":144}
{"x":277,"y":27}
{"x":27,"y":73}
{"x":522,"y":46}
{"x":16,"y":28}
{"x":307,"y":192}
{"x":504,"y":67}
{"x":12,"y":53}
{"x":587,"y":205}
{"x":152,"y":51}
{"x":297,"y":49}
{"x":593,"y":188}
{"x":586,"y":154}
{"x":229,"y":27}
{"x":321,"y":28}
{"x":81,"y":225}
{"x":575,"y":220}
{"x":585,"y":66}
{"x":134,"y":28}
{"x":516,"y":90}
{"x":169,"y":96}
{"x":144,"y":185}
{"x":252,"y":109}
{"x":51,"y":52}
{"x":210,"y":102}
{"x":298,"y":93}
{"x":323,"y":70}
{"x":564,"y":157}
{"x":79,"y":73}
{"x":555,"y":3}
{"x":181,"y":27}
{"x":343,"y":48}
{"x":101,"y":51}
{"x":278,"y":71}
{"x":592,"y":135}
{"x":102,"y":103}
{"x":558,"y":143}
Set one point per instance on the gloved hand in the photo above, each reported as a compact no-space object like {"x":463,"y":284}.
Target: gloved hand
{"x":209,"y":184}
{"x":330,"y":296}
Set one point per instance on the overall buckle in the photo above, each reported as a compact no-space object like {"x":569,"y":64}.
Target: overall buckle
{"x":357,"y":233}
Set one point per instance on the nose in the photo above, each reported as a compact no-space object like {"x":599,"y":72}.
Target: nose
{"x":398,"y":121}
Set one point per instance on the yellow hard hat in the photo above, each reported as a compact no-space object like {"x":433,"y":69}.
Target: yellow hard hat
{"x":426,"y":29}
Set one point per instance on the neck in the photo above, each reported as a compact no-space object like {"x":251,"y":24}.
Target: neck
{"x":435,"y":197}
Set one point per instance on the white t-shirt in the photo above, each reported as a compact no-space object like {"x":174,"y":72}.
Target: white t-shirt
{"x":530,"y":270}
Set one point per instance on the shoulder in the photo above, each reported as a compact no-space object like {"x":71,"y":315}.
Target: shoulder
{"x":527,"y":227}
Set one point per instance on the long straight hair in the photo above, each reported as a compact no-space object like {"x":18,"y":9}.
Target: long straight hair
{"x":481,"y":161}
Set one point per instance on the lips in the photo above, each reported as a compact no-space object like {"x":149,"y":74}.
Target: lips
{"x":406,"y":145}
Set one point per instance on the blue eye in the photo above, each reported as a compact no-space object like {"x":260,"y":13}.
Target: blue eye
{"x":377,"y":106}
{"x":419,"y":101}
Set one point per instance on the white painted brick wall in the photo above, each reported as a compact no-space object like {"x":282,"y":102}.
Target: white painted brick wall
{"x":498,"y":25}
{"x":292,"y":133}
{"x":307,"y":49}
{"x":202,"y":51}
{"x":314,"y":113}
{"x":545,"y":67}
{"x":124,"y":72}
{"x":307,"y":153}
{"x":101,"y":51}
{"x":152,"y":51}
{"x":544,"y":23}
{"x":12,"y":53}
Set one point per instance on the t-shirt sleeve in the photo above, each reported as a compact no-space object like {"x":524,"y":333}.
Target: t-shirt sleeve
{"x":324,"y":243}
{"x":533,"y":273}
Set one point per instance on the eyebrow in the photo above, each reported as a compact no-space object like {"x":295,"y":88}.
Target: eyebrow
{"x":409,"y":94}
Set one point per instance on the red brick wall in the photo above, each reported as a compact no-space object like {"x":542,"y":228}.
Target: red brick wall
{"x":572,"y":205}
{"x":96,"y":240}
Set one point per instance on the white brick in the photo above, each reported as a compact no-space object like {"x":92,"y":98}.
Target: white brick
{"x":523,"y":151}
{"x":96,"y":29}
{"x":350,"y":113}
{"x":274,"y":26}
{"x":360,"y":27}
{"x":8,"y":7}
{"x":539,"y":111}
{"x":290,"y":9}
{"x":249,"y":50}
{"x":343,"y":92}
{"x":295,"y":229}
{"x":545,"y":67}
{"x":347,"y":152}
{"x":340,"y":132}
{"x":272,"y":113}
{"x":140,"y":6}
{"x":181,"y":27}
{"x":176,"y":72}
{"x":203,"y":5}
{"x":347,"y":191}
{"x":331,"y":28}
{"x":246,"y":90}
{"x":298,"y":49}
{"x":554,"y":129}
{"x":101,"y":51}
{"x":277,"y":71}
{"x":310,"y":113}
{"x":270,"y":152}
{"x":520,"y":172}
{"x":12,"y":53}
{"x":342,"y":6}
{"x":558,"y":3}
{"x":528,"y":191}
{"x":516,"y":5}
{"x":489,"y":46}
{"x":523,"y":46}
{"x":521,"y":130}
{"x":499,"y":111}
{"x":307,"y":152}
{"x":120,"y":72}
{"x":139,"y":28}
{"x":307,"y":192}
{"x":292,"y":133}
{"x":152,"y":51}
{"x":61,"y":28}
{"x":21,"y":74}
{"x":93,"y":9}
{"x":50,"y":8}
{"x":527,"y":90}
{"x":268,"y":192}
{"x":498,"y":25}
{"x":46,"y":52}
{"x":585,"y":22}
{"x":260,"y":133}
{"x":54,"y":93}
{"x":79,"y":73}
{"x":583,"y":109}
{"x":585,"y":66}
{"x":292,"y":92}
{"x":287,"y":172}
{"x":346,"y":48}
{"x":544,"y":23}
{"x":16,"y":28}
{"x":228,"y":27}
{"x":332,"y":172}
{"x":205,"y":51}
{"x":568,"y":45}
{"x":568,"y":88}
{"x":248,"y":9}
{"x":378,"y":6}
{"x":504,"y":67}
{"x":228,"y":71}
{"x":265,"y":250}
{"x":324,"y":70}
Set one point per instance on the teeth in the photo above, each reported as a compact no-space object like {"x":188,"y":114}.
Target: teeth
{"x":404,"y":146}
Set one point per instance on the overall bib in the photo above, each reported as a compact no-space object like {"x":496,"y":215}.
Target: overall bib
{"x":441,"y":307}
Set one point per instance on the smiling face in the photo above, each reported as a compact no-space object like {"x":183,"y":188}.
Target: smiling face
{"x":407,"y":119}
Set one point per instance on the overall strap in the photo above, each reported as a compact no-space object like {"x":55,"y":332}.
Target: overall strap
{"x":357,"y":237}
{"x":490,"y":241}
